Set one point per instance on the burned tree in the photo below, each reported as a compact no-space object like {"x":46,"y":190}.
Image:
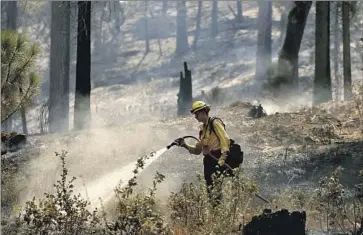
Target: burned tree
{"x":165,"y":7}
{"x":335,"y":52}
{"x":283,"y":20}
{"x":347,"y":71}
{"x":182,"y":45}
{"x":11,"y":24}
{"x":147,"y":41}
{"x":263,"y":54}
{"x":59,"y":67}
{"x":287,"y":63}
{"x":82,"y":101}
{"x":322,"y":79}
{"x":185,"y":96}
{"x":214,"y":25}
{"x":239,"y":17}
{"x":197,"y":26}
{"x":278,"y":223}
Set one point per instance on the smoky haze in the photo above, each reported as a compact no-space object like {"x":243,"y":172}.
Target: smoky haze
{"x":125,"y":108}
{"x":133,"y":92}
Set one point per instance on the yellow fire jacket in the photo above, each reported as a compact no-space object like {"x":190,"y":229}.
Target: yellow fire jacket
{"x":211,"y":141}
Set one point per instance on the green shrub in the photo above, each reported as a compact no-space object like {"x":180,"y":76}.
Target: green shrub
{"x":191,"y":209}
{"x":66,"y":213}
{"x":61,"y":212}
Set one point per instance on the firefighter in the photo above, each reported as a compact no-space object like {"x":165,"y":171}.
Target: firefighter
{"x":215,"y":143}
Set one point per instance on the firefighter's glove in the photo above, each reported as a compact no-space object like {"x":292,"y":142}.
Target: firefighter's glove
{"x":180,"y":142}
{"x":222,"y":159}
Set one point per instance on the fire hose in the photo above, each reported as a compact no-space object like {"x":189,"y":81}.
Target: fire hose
{"x":175,"y":142}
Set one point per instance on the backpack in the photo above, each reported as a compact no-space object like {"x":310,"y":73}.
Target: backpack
{"x":235,"y":156}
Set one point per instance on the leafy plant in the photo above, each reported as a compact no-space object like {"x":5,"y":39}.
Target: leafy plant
{"x":191,"y":209}
{"x":61,"y":212}
{"x":138,"y":214}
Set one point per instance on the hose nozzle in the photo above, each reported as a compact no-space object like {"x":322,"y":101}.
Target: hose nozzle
{"x":171,"y":145}
{"x":177,"y":141}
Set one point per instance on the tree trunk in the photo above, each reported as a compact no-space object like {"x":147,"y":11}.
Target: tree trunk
{"x":119,"y":17}
{"x":99,"y":32}
{"x":263,"y":54}
{"x":185,"y":95}
{"x":12,"y":16}
{"x":336,"y":51}
{"x":147,"y":42}
{"x":181,"y":29}
{"x":239,"y":18}
{"x":284,"y":20}
{"x":13,"y":25}
{"x":165,"y":7}
{"x":214,"y":26}
{"x":82,"y":109}
{"x":197,"y":27}
{"x":346,"y":50}
{"x":23,"y":120}
{"x":322,"y":81}
{"x":59,"y":67}
{"x":289,"y":53}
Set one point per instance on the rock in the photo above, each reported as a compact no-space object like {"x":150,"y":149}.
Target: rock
{"x":278,"y":223}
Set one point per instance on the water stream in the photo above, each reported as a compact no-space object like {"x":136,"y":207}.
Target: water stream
{"x":104,"y":187}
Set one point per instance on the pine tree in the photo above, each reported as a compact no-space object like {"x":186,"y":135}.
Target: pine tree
{"x":19,"y":79}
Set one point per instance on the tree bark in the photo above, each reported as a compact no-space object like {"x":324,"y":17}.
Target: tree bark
{"x":347,"y":71}
{"x":82,"y":103}
{"x":181,"y":29}
{"x":98,"y":32}
{"x":11,"y":21}
{"x":284,"y":20}
{"x":185,"y":95}
{"x":165,"y":7}
{"x":119,"y":17}
{"x":147,"y":42}
{"x":322,"y":80}
{"x":336,"y":50}
{"x":12,"y":15}
{"x":59,"y":67}
{"x":197,"y":27}
{"x":263,"y":54}
{"x":239,"y":18}
{"x":214,"y":26}
{"x":289,"y":53}
{"x":23,"y":121}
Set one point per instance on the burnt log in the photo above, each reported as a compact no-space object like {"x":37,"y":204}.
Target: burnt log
{"x":277,"y":223}
{"x":12,"y":142}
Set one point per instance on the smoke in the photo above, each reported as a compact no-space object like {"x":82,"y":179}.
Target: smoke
{"x":123,"y":129}
{"x":126,"y":118}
